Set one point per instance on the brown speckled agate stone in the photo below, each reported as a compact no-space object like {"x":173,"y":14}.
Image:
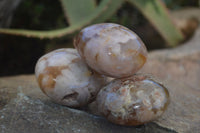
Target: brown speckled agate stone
{"x":133,"y":101}
{"x":65,"y":78}
{"x":111,"y":49}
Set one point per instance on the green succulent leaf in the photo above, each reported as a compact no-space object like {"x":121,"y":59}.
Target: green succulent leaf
{"x":156,"y":12}
{"x":77,"y":10}
{"x":60,"y":32}
{"x":114,"y":5}
{"x":102,"y":12}
{"x":81,"y":13}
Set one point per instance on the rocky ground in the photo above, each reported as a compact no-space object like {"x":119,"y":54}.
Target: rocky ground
{"x":24,"y":108}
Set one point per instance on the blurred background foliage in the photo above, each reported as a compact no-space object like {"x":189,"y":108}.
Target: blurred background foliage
{"x":39,"y":15}
{"x":21,"y":53}
{"x":178,"y":4}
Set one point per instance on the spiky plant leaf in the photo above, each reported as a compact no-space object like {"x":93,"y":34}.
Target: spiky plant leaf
{"x":77,"y":10}
{"x":114,"y":5}
{"x":156,"y":12}
{"x":61,"y":32}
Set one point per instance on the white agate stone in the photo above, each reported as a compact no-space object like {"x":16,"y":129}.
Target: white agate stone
{"x":133,"y":101}
{"x":64,"y":77}
{"x":111,"y":49}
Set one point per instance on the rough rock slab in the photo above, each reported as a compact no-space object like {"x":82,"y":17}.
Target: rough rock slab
{"x":179,"y":70}
{"x":23,"y":107}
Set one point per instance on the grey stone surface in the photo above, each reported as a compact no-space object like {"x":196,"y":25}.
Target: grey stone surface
{"x":179,"y":70}
{"x":24,"y":108}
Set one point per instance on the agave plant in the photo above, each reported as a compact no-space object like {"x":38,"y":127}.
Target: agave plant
{"x":80,"y":13}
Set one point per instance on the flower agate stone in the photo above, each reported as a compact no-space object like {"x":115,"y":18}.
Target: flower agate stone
{"x":133,"y":101}
{"x":111,"y":49}
{"x":64,"y":77}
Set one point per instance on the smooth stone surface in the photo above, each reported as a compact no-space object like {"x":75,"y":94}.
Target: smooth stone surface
{"x":133,"y":101}
{"x":24,"y":108}
{"x":65,"y":78}
{"x":110,"y":49}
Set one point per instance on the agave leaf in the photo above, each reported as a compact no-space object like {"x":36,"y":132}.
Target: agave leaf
{"x":156,"y":12}
{"x":77,"y":10}
{"x":60,"y":32}
{"x":114,"y":5}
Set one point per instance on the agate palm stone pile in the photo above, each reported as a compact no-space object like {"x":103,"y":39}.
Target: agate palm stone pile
{"x":76,"y":77}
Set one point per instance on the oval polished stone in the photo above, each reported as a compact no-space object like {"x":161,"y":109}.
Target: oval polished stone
{"x":65,"y":78}
{"x":111,"y":49}
{"x":133,"y":101}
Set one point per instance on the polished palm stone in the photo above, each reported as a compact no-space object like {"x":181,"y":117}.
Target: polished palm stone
{"x":65,"y":78}
{"x":111,"y":49}
{"x":133,"y":101}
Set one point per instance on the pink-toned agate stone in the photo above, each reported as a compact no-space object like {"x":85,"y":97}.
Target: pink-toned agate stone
{"x":111,"y":49}
{"x":65,"y":78}
{"x":133,"y":101}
